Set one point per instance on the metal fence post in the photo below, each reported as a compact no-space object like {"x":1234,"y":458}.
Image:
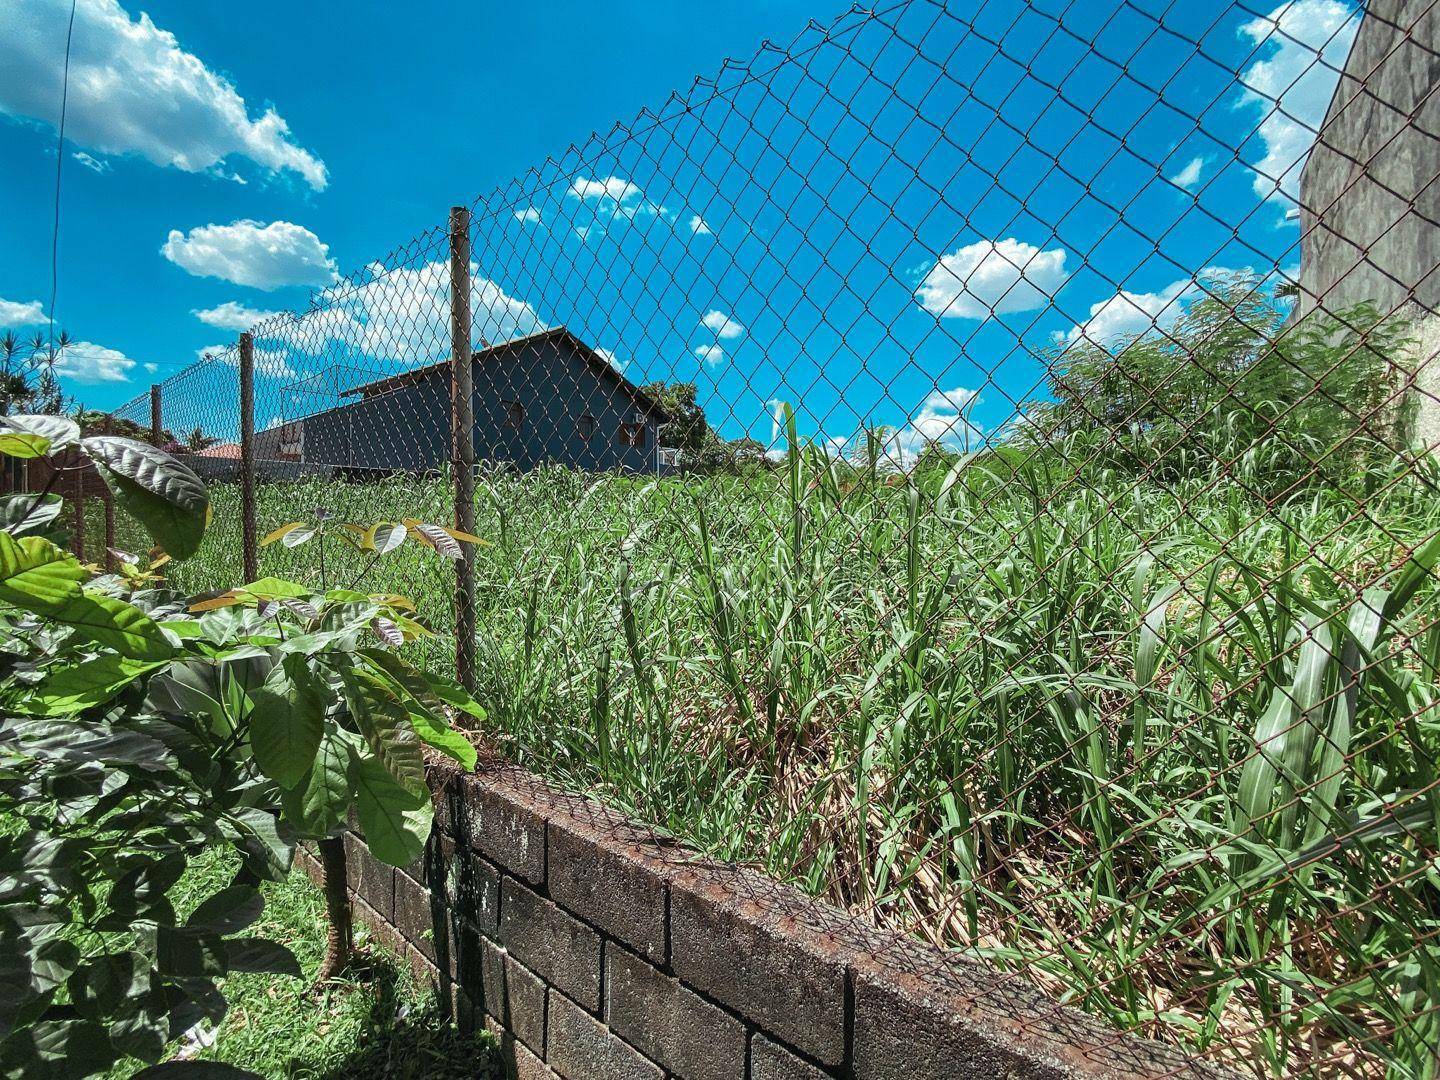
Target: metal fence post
{"x":462,"y":441}
{"x":157,"y":426}
{"x":250,"y":550}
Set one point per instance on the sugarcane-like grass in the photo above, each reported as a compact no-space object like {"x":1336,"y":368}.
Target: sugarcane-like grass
{"x":1010,"y":706}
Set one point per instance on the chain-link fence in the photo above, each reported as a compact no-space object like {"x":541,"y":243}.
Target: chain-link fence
{"x":975,"y":461}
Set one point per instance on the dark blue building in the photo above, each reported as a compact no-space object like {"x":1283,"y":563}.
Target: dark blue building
{"x":546,"y":398}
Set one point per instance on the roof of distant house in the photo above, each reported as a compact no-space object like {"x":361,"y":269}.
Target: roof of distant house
{"x":555,"y":333}
{"x":220,"y":450}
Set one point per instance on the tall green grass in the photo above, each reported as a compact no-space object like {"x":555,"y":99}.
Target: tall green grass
{"x":1167,"y":750}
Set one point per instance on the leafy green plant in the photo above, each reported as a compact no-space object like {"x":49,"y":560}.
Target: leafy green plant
{"x":143,"y":727}
{"x":342,"y":719}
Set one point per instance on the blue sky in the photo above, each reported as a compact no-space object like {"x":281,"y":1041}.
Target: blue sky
{"x":887,"y":228}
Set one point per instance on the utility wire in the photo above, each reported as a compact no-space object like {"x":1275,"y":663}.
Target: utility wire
{"x":59,"y":167}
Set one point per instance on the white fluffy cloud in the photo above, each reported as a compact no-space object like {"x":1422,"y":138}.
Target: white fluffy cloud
{"x":530,"y":214}
{"x":249,"y":253}
{"x":992,"y":277}
{"x":1306,"y":43}
{"x":614,"y":197}
{"x":1127,"y":314}
{"x":133,"y":89}
{"x":710,"y":354}
{"x":698,"y":226}
{"x":1188,"y":176}
{"x":614,"y":188}
{"x":404,"y":315}
{"x":14,"y":313}
{"x":723,"y":326}
{"x":232,"y":315}
{"x":86,"y":362}
{"x":608,"y":355}
{"x":272,"y":363}
{"x":942,"y":418}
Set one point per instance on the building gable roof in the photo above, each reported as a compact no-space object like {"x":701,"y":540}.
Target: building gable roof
{"x":602,"y":367}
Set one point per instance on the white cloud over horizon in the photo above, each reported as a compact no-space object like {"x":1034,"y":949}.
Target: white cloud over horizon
{"x":87,"y":362}
{"x":135,"y":90}
{"x":992,"y":277}
{"x":403,"y":315}
{"x":1306,"y":43}
{"x":1130,"y":314}
{"x":941,"y":419}
{"x":16,"y":313}
{"x":248,"y":253}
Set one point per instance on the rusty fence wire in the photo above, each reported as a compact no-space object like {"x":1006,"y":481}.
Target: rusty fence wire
{"x":974,"y":461}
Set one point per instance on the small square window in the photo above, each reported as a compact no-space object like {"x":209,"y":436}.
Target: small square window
{"x":514,"y":415}
{"x":585,"y":427}
{"x":630,"y":435}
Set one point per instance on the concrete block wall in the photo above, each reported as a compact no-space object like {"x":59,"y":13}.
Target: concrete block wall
{"x":594,"y":950}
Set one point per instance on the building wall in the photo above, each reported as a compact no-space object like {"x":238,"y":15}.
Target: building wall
{"x":406,"y":429}
{"x":550,"y":382}
{"x":1370,"y":192}
{"x":555,"y":387}
{"x":592,"y":950}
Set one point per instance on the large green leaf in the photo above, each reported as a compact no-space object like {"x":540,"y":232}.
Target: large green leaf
{"x":385,"y":723}
{"x":261,"y":954}
{"x":23,"y":513}
{"x":37,"y":576}
{"x":114,"y":622}
{"x":228,"y":911}
{"x":22,"y":444}
{"x":258,"y":835}
{"x":59,"y":431}
{"x":396,"y":822}
{"x":453,"y":694}
{"x":162,"y":492}
{"x":317,"y":805}
{"x":32,"y":568}
{"x":273,"y":588}
{"x":70,"y":689}
{"x":287,"y":721}
{"x":426,"y":714}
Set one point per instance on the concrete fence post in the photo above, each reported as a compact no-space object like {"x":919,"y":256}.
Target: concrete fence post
{"x":462,"y":441}
{"x":248,"y":533}
{"x":109,"y":528}
{"x":78,"y":539}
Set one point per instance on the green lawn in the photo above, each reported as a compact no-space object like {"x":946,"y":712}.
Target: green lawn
{"x":377,"y":1023}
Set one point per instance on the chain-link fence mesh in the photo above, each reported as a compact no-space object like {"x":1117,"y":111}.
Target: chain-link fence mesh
{"x":965,"y":461}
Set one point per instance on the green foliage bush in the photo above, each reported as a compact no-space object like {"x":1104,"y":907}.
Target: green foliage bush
{"x":142,"y":728}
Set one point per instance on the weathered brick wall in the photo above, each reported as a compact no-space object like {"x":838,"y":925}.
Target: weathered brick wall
{"x":594,"y":951}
